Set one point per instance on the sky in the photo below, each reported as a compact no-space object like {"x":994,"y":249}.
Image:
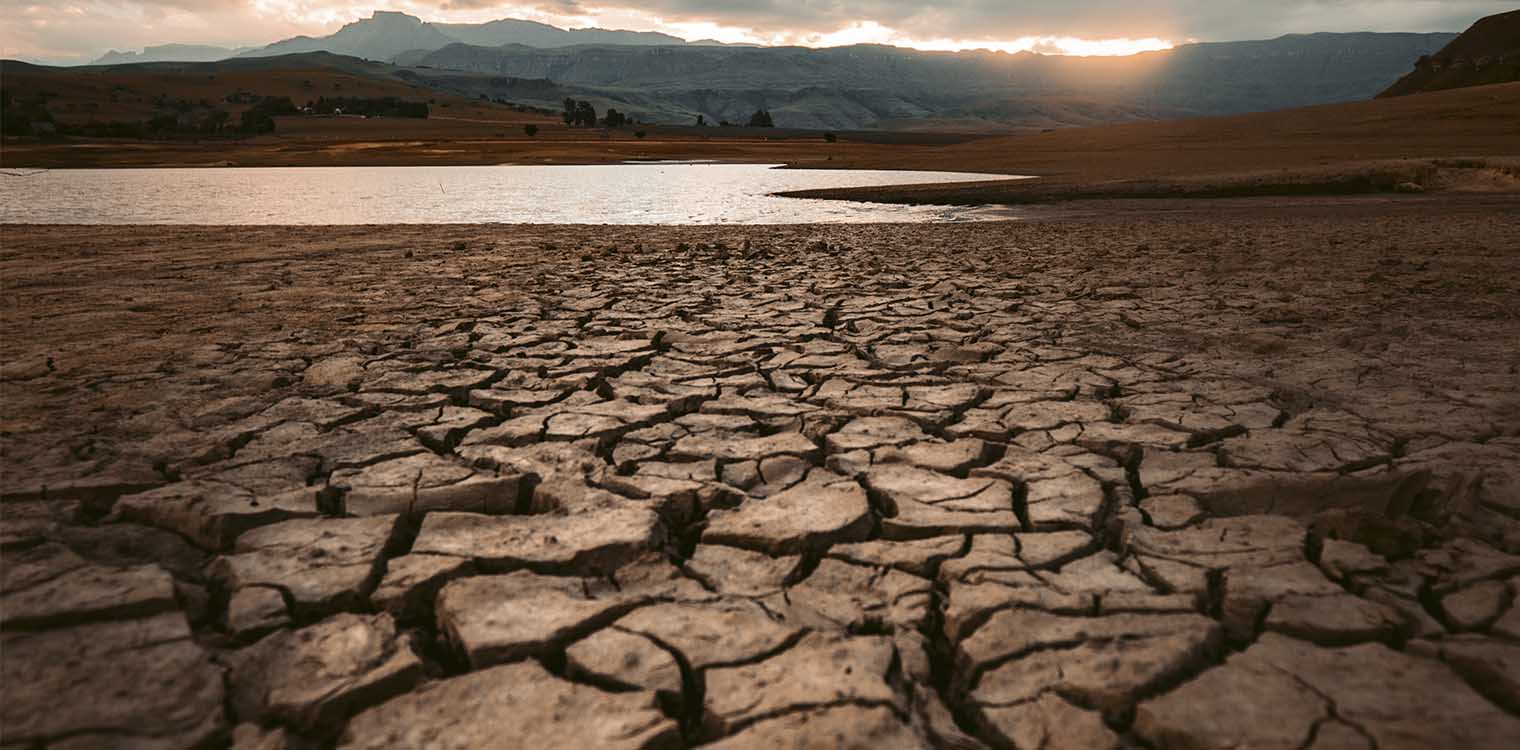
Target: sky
{"x":76,"y":31}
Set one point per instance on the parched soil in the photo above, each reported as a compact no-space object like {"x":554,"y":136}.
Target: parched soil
{"x":1237,"y":476}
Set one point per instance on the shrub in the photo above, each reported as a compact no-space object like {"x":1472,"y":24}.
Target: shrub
{"x":530,"y":130}
{"x":639,"y":134}
{"x":830,"y":137}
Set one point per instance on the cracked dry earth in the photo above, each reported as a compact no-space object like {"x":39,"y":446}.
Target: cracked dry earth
{"x":1154,"y":481}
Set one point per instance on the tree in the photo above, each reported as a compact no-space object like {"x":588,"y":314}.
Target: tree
{"x":256,"y":122}
{"x":761,"y":119}
{"x":569,"y":111}
{"x":701,"y":121}
{"x":585,"y":115}
{"x":531,"y":130}
{"x":639,"y":134}
{"x":614,"y":119}
{"x":215,"y":122}
{"x":830,"y":137}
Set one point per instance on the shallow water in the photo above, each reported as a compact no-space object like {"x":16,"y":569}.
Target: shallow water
{"x":690,"y":193}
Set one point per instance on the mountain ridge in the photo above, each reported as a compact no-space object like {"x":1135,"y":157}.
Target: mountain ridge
{"x":1487,"y":53}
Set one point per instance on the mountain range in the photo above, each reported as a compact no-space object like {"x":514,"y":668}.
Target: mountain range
{"x":873,"y":86}
{"x":664,"y":79}
{"x":387,"y":34}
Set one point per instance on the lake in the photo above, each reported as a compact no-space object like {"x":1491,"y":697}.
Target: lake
{"x":658,"y":193}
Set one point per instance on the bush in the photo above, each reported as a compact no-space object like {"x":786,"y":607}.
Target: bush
{"x":255,"y":122}
{"x":530,"y":130}
{"x":761,"y":119}
{"x":830,"y":137}
{"x":639,"y":134}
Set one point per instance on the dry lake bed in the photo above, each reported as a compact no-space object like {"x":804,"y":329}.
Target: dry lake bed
{"x":1169,"y":477}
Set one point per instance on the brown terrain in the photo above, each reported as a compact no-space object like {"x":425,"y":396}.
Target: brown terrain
{"x":1131,"y":475}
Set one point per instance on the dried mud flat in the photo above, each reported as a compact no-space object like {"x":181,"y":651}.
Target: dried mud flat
{"x":1239,"y":477}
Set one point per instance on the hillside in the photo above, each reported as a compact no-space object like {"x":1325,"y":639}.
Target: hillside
{"x":1487,"y":53}
{"x":1470,"y":135}
{"x":870,"y":86}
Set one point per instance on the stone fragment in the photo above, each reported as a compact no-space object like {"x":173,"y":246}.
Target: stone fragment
{"x":1401,"y":702}
{"x":139,"y":681}
{"x":626,"y":661}
{"x":324,"y":565}
{"x":811,"y":516}
{"x":1105,"y":663}
{"x":422,"y":483}
{"x":496,"y":619}
{"x":48,"y":585}
{"x":314,"y":678}
{"x":1248,"y":591}
{"x":740,"y":572}
{"x":841,"y":596}
{"x":1491,"y":667}
{"x":917,"y":503}
{"x":837,"y":728}
{"x":918,"y":557}
{"x":1334,"y":620}
{"x":821,"y":670}
{"x":714,"y":634}
{"x":466,"y":713}
{"x":1048,"y":722}
{"x":213,"y":514}
{"x":253,"y":611}
{"x":1476,"y":606}
{"x":1172,"y":511}
{"x":411,"y":583}
{"x":588,"y":542}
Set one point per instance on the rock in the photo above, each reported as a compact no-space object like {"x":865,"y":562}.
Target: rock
{"x":1342,"y":560}
{"x":1476,"y":606}
{"x":422,"y":483}
{"x":1335,"y":620}
{"x":324,"y":565}
{"x":411,"y":582}
{"x":1399,"y":701}
{"x":841,"y":596}
{"x":576,"y":543}
{"x":139,"y":683}
{"x":840,"y":728}
{"x":1056,"y":492}
{"x":1223,"y":542}
{"x":48,"y":585}
{"x":466,"y":713}
{"x":1012,"y":634}
{"x":1248,"y":591}
{"x":1491,"y":667}
{"x":1105,"y":663}
{"x":808,"y":517}
{"x":255,"y":610}
{"x":213,"y":514}
{"x":314,"y":678}
{"x":626,"y":661}
{"x":496,"y":619}
{"x":820,"y":670}
{"x":712,"y":635}
{"x":1172,"y":511}
{"x":1048,"y":722}
{"x":740,"y":572}
{"x":255,"y":737}
{"x":918,"y":557}
{"x":917,"y":503}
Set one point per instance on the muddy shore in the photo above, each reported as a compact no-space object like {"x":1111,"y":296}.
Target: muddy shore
{"x":1173,"y":474}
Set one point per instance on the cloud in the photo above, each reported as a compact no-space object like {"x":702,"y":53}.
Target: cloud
{"x":77,"y":30}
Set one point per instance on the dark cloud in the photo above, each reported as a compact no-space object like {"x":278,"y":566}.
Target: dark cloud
{"x":1201,"y":19}
{"x":79,"y":29}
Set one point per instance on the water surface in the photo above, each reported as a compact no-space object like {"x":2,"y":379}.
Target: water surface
{"x":662,"y":193}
